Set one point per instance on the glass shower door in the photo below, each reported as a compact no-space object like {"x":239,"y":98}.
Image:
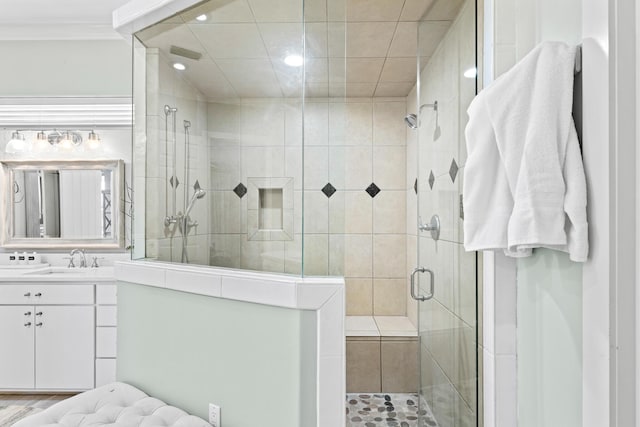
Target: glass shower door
{"x":448,"y":319}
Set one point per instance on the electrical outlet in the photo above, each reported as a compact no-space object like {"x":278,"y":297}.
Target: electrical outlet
{"x":214,"y":415}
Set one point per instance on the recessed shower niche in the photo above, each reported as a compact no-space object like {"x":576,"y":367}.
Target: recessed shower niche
{"x":270,"y":209}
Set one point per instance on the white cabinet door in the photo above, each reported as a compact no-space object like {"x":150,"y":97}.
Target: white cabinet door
{"x":65,"y":347}
{"x":16,"y":347}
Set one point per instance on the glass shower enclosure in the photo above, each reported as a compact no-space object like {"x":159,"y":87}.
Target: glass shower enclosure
{"x":269,"y":136}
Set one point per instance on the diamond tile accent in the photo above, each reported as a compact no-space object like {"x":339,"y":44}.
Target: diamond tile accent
{"x":174,"y":181}
{"x":373,"y":190}
{"x":240,"y":190}
{"x":453,"y":170}
{"x":328,"y":190}
{"x":432,"y":179}
{"x":415,"y":186}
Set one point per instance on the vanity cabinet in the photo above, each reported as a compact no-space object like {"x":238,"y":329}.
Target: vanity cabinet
{"x":48,"y":336}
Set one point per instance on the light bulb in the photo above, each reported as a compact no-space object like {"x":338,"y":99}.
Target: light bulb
{"x":66,"y":142}
{"x":93,"y":142}
{"x":16,"y":144}
{"x":41,"y":143}
{"x":179,"y":66}
{"x":201,"y":18}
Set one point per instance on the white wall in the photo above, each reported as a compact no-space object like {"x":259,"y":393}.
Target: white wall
{"x":549,"y":286}
{"x":65,"y":68}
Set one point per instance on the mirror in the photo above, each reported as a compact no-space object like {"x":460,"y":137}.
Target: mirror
{"x":63,"y":204}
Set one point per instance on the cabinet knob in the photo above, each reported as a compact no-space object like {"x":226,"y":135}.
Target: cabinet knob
{"x":28,"y":313}
{"x":39,"y":294}
{"x":27,"y":325}
{"x":39,"y":324}
{"x":38,"y":313}
{"x":28,"y":294}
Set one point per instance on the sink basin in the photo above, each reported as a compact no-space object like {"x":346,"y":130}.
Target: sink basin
{"x":57,"y":270}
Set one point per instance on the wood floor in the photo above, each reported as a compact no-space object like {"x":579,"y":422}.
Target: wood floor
{"x":35,"y":400}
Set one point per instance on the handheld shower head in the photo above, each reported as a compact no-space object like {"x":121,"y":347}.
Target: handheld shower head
{"x":198,"y":194}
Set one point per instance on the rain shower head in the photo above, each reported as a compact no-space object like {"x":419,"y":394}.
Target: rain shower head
{"x":411,"y":120}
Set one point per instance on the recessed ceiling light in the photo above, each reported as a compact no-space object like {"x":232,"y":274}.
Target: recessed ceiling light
{"x":294,"y":60}
{"x":471,"y":73}
{"x":179,"y":66}
{"x":201,"y":18}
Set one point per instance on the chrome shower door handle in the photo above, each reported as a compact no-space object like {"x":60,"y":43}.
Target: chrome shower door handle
{"x":414,"y":295}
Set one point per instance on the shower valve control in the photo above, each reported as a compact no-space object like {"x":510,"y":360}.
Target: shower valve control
{"x":433,"y":226}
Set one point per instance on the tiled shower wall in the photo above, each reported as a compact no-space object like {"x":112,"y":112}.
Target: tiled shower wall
{"x":348,"y":146}
{"x":166,"y":87}
{"x":354,"y":187}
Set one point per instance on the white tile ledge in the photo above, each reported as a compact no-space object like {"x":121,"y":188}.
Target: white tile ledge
{"x":379,"y":326}
{"x":308,"y":293}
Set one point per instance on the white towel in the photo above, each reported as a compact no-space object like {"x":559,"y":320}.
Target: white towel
{"x":524,"y":184}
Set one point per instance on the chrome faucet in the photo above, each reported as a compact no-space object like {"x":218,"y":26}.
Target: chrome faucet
{"x":83,"y":260}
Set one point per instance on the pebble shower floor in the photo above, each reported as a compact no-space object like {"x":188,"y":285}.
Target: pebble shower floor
{"x":382,"y":410}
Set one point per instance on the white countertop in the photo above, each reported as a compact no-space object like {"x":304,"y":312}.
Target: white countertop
{"x":47,"y":273}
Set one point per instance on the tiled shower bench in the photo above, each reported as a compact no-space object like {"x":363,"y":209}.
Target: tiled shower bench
{"x":382,"y":354}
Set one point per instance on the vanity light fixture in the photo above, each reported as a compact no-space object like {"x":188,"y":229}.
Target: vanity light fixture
{"x":41,"y":144}
{"x":294,"y":60}
{"x":66,"y":141}
{"x":93,"y":142}
{"x":17,"y":143}
{"x":201,"y":18}
{"x":179,"y":66}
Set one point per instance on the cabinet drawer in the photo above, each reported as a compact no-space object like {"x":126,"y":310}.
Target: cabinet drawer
{"x":106,"y":294}
{"x":46,"y":293}
{"x":107,"y":315}
{"x":106,"y":342}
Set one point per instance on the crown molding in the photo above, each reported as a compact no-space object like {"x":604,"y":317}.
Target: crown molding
{"x":26,"y":32}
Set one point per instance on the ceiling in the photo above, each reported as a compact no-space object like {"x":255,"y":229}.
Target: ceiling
{"x":244,"y":42}
{"x":59,"y":20}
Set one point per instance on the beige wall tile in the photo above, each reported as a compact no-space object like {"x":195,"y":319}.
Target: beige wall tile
{"x":358,"y":168}
{"x":350,"y":124}
{"x":399,"y":365}
{"x":389,"y":255}
{"x":357,"y":255}
{"x":337,"y":213}
{"x":263,"y":256}
{"x":262,"y":123}
{"x":388,"y":124}
{"x":336,"y":254}
{"x":359,"y":297}
{"x":389,"y":212}
{"x":224,"y":250}
{"x":316,"y":254}
{"x":316,"y":123}
{"x":358,"y":212}
{"x":388,"y":166}
{"x":316,"y":212}
{"x":389,"y":297}
{"x":226,"y":212}
{"x":363,"y":365}
{"x":316,"y":167}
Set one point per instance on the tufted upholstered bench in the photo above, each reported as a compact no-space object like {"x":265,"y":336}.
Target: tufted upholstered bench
{"x":117,"y":405}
